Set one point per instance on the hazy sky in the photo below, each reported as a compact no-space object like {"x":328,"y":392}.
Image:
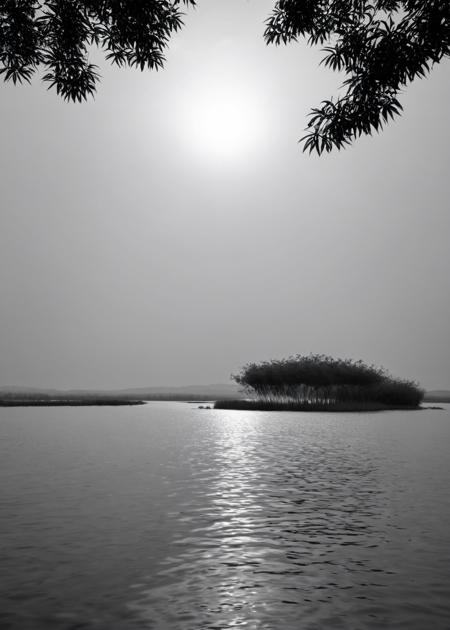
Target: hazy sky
{"x":172,"y":230}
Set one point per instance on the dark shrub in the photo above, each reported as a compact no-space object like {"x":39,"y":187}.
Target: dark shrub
{"x":321,"y":380}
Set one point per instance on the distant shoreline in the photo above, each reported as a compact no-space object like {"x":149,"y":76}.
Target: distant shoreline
{"x":69,"y":403}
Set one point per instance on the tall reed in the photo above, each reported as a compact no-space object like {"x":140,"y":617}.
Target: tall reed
{"x":318,"y":379}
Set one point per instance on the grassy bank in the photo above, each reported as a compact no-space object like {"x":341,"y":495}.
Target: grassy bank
{"x":262,"y":405}
{"x":69,"y":403}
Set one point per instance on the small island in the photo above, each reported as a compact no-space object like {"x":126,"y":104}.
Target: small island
{"x":321,"y":383}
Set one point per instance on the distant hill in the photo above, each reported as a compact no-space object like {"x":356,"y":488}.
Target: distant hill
{"x":437,"y":395}
{"x":213,"y":391}
{"x":188,"y":392}
{"x":21,"y":390}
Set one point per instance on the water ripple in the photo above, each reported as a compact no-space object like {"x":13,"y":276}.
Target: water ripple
{"x":173,"y":519}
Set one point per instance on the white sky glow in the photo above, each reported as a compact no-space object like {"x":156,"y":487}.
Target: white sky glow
{"x":224,"y":122}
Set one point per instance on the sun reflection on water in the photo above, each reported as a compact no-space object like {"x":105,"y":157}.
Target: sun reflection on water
{"x":255,"y":524}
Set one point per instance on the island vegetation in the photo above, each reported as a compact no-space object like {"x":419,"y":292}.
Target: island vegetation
{"x":321,"y":383}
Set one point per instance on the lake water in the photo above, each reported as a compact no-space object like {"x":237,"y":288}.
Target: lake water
{"x":168,"y":517}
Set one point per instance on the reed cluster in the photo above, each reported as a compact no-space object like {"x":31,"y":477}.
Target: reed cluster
{"x":322,"y":381}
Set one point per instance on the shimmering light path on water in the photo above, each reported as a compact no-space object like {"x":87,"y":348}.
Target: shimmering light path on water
{"x":168,"y":517}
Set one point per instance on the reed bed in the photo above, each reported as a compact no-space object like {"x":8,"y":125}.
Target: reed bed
{"x":321,"y":383}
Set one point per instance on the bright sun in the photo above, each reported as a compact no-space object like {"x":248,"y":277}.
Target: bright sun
{"x":224,"y":122}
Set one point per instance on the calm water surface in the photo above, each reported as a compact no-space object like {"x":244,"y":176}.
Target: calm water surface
{"x":168,"y":517}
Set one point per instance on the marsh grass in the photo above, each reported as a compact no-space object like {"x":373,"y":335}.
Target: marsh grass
{"x":88,"y":402}
{"x":264,"y":405}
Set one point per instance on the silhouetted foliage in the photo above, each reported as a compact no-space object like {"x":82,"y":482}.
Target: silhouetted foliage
{"x":321,"y":380}
{"x":57,"y":34}
{"x":380,"y":45}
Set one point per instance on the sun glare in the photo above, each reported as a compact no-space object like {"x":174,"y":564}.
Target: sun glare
{"x":225,"y":123}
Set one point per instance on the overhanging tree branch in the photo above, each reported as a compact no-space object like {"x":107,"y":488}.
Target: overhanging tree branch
{"x":380,"y":45}
{"x":57,"y":34}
